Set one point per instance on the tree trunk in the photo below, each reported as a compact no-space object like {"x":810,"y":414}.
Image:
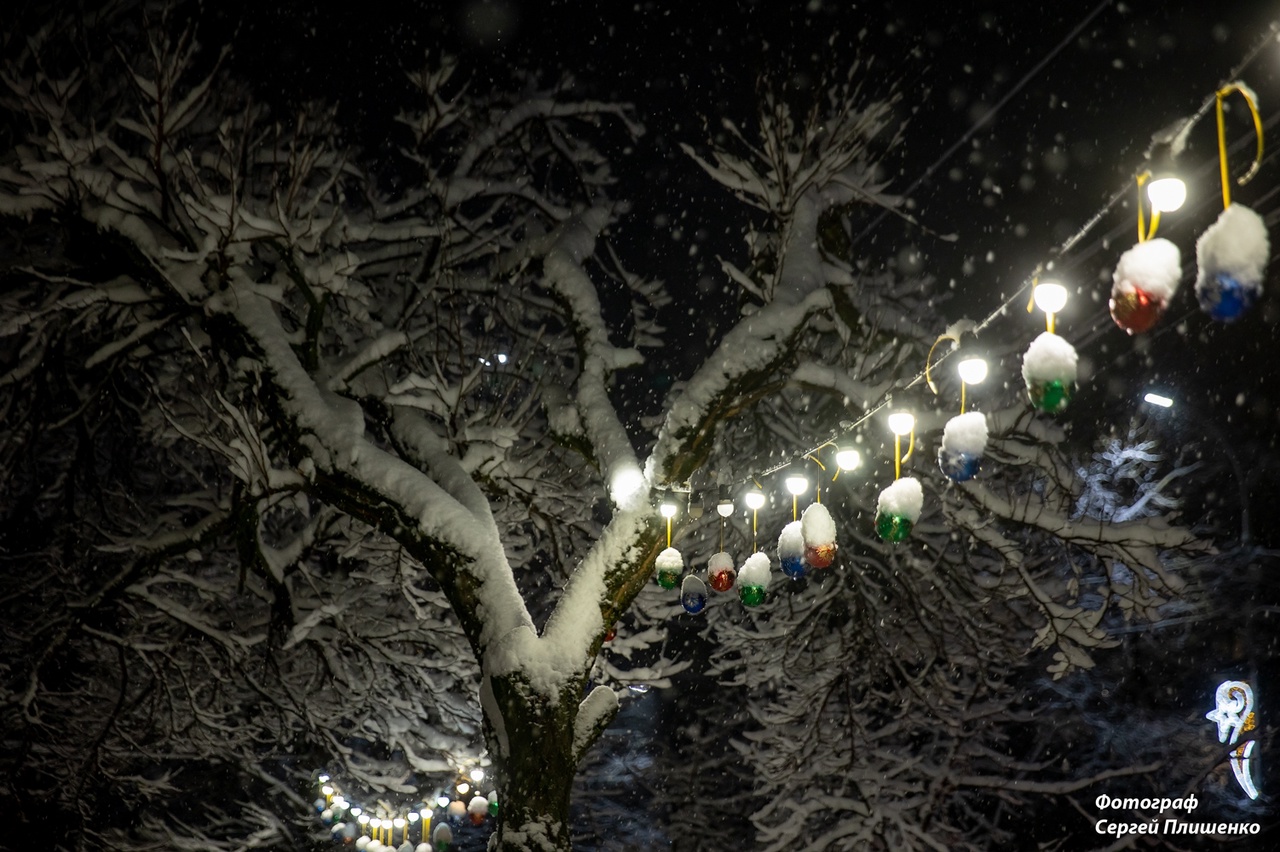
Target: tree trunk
{"x":536,"y":760}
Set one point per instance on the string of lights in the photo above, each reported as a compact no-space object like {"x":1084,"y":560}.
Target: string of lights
{"x":1048,"y":295}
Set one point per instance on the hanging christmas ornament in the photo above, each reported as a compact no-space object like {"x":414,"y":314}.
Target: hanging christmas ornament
{"x":1049,"y":369}
{"x":478,"y":809}
{"x":1232,"y":254}
{"x":670,"y":565}
{"x":899,"y":508}
{"x":819,"y":533}
{"x":964,"y":441}
{"x":493,"y":802}
{"x":442,"y":837}
{"x":753,"y":579}
{"x":422,"y":847}
{"x":791,"y":550}
{"x":1144,"y":281}
{"x":457,"y":809}
{"x":693,"y":595}
{"x":721,"y":572}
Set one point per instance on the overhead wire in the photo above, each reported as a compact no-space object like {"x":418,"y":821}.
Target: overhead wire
{"x":1059,"y":252}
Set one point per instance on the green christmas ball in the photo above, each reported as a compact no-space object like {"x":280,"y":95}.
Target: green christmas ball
{"x":751,"y":595}
{"x":1050,"y":397}
{"x":493,"y":808}
{"x":669,"y":579}
{"x":892,"y":527}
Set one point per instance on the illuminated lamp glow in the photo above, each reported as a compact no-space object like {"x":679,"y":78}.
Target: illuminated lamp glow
{"x":972,"y":370}
{"x":1167,"y":194}
{"x":797,"y":485}
{"x":1050,"y":296}
{"x":848,"y":458}
{"x":902,"y":422}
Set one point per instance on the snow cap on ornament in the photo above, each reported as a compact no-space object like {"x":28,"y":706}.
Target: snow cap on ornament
{"x":721,"y":572}
{"x":899,"y":508}
{"x":964,"y":442}
{"x":1232,"y":253}
{"x":442,"y":837}
{"x":670,"y":565}
{"x":753,"y":579}
{"x":791,"y":550}
{"x":693,"y":594}
{"x":478,"y":809}
{"x":1231,"y":256}
{"x":1049,"y":369}
{"x":1145,"y":280}
{"x":819,"y":536}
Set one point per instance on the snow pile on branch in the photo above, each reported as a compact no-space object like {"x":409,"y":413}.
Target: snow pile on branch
{"x":966,"y":433}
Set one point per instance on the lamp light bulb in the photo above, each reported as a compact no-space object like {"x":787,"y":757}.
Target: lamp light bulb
{"x":848,"y":458}
{"x":754,"y":499}
{"x":463,"y":787}
{"x":902,"y":422}
{"x":363,"y":819}
{"x":972,"y":370}
{"x":668,"y":509}
{"x":327,"y":790}
{"x":324,"y":779}
{"x":1167,"y":194}
{"x":477,"y":774}
{"x":1050,"y":297}
{"x":398,"y":822}
{"x":355,"y":812}
{"x":442,"y":801}
{"x":724,"y":508}
{"x":1158,"y":399}
{"x":413,"y":816}
{"x":797,"y":485}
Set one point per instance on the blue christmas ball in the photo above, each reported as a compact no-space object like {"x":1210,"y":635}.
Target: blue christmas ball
{"x":793,"y":566}
{"x":958,"y":466}
{"x":1225,"y":297}
{"x":693,"y":602}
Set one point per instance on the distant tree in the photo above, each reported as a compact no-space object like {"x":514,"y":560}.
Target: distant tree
{"x":304,"y":471}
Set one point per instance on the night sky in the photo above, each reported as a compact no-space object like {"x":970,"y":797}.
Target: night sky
{"x":1076,"y":114}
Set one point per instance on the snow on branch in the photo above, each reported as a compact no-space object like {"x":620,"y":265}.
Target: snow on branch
{"x":747,"y":355}
{"x":331,"y":431}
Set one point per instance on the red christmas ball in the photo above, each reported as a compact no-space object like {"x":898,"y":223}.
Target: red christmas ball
{"x":1135,"y":310}
{"x":722,"y":581}
{"x":611,"y":634}
{"x":820,"y":556}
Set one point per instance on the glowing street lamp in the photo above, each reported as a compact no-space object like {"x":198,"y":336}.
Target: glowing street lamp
{"x":901,"y":423}
{"x":1050,"y":297}
{"x":847,"y":458}
{"x":973,"y":371}
{"x":1166,"y":193}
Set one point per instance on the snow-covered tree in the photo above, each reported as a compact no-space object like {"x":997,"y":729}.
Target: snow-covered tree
{"x":306,"y":470}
